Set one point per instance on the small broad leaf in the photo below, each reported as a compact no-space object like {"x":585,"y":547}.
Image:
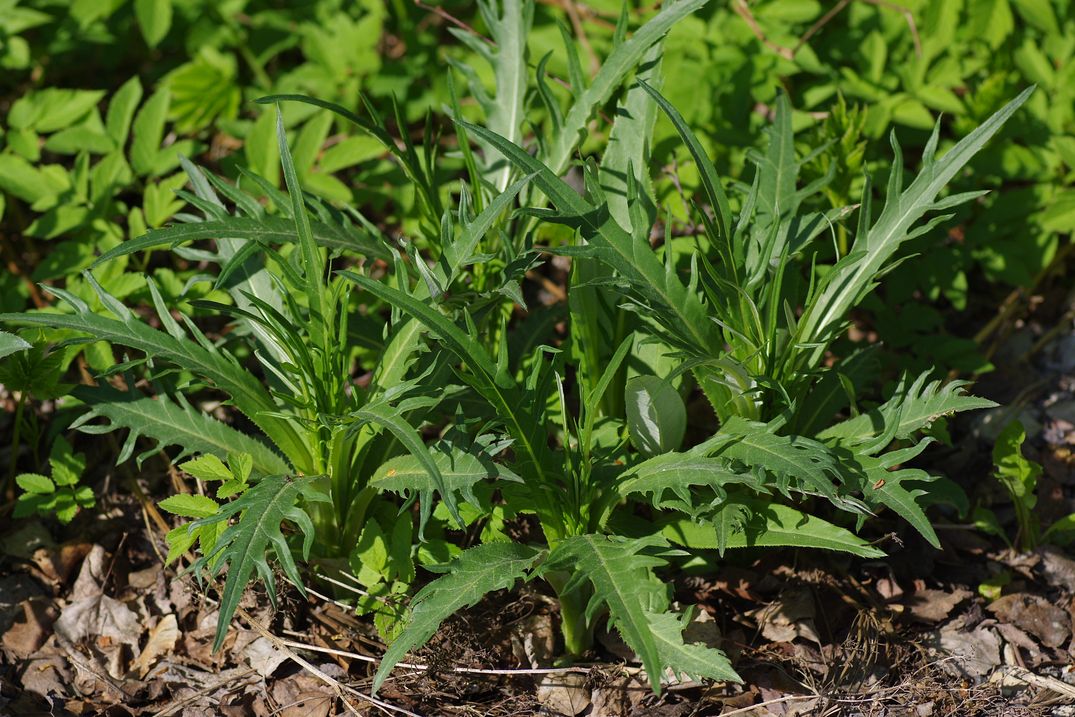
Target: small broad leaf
{"x":30,"y":503}
{"x":207,"y":468}
{"x":148,"y":131}
{"x":477,"y":571}
{"x":369,"y":558}
{"x":1013,"y":469}
{"x":65,"y":507}
{"x":35,"y":483}
{"x":241,"y":465}
{"x":67,"y":466}
{"x":656,"y":416}
{"x":154,"y":18}
{"x":182,"y":538}
{"x":179,"y":541}
{"x":1019,"y":477}
{"x":121,"y":109}
{"x":1061,"y":532}
{"x":10,"y":343}
{"x":190,"y":506}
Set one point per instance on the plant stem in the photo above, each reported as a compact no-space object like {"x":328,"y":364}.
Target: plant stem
{"x":14,"y":458}
{"x":576,"y":629}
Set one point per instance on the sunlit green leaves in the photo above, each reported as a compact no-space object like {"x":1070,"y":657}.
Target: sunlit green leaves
{"x":480,"y":570}
{"x":10,"y":343}
{"x":59,"y":495}
{"x":1019,"y":477}
{"x":203,"y":90}
{"x":656,"y":416}
{"x":242,"y":546}
{"x":619,"y":572}
{"x":154,"y":18}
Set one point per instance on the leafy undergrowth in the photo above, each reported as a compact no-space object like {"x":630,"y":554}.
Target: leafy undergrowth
{"x":973,"y":629}
{"x":613,"y":485}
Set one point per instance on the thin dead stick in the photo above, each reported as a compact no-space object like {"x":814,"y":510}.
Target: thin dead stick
{"x":445,"y":15}
{"x":777,"y":701}
{"x":908,"y":16}
{"x":459,"y":670}
{"x":203,"y":692}
{"x":1064,"y":324}
{"x":580,"y":31}
{"x":827,"y":18}
{"x":1025,"y":676}
{"x":1011,"y":303}
{"x":345,"y":586}
{"x":744,"y":12}
{"x":337,"y":687}
{"x":822,"y":22}
{"x":326,"y":598}
{"x":1006,"y":309}
{"x":548,"y":285}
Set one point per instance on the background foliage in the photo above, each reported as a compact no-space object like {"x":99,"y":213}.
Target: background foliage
{"x":131,"y":128}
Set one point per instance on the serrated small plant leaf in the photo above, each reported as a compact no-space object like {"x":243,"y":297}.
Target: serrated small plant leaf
{"x":243,"y":546}
{"x":208,"y":468}
{"x":695,"y":660}
{"x":473,"y":574}
{"x":619,"y":570}
{"x":188,"y":505}
{"x":171,"y":424}
{"x":752,"y":524}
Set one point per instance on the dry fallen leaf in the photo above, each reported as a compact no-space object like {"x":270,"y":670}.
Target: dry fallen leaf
{"x":263,"y":657}
{"x":1035,"y":615}
{"x":1057,"y":568}
{"x":162,"y":639}
{"x":302,"y":695}
{"x":533,"y":640}
{"x":102,"y":618}
{"x":932,"y":606}
{"x":58,"y":563}
{"x":977,"y":651}
{"x":144,"y":579}
{"x":14,"y":590}
{"x":47,"y":676}
{"x":789,"y":617}
{"x":564,"y":693}
{"x":619,"y":697}
{"x":91,"y":576}
{"x":1017,"y":638}
{"x":26,"y":636}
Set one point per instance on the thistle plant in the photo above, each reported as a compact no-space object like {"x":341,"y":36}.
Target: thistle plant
{"x":751,"y":324}
{"x":320,"y":435}
{"x":479,"y":417}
